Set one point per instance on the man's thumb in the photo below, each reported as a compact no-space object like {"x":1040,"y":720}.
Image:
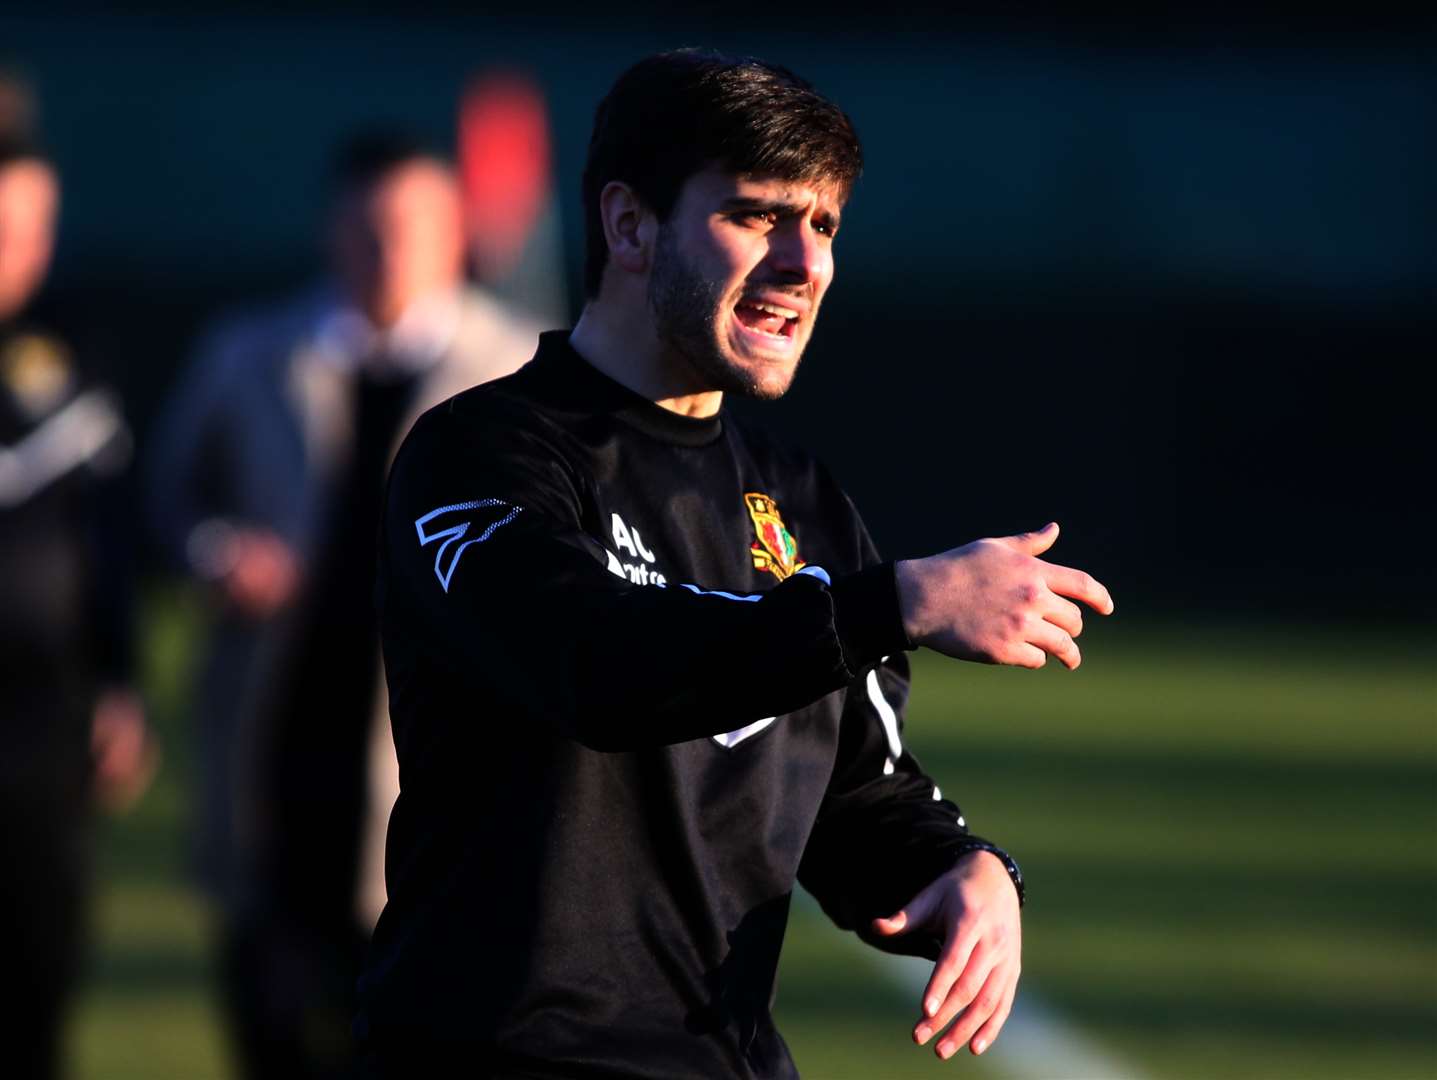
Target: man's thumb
{"x":893,"y":925}
{"x":912,"y":914}
{"x":1037,"y":542}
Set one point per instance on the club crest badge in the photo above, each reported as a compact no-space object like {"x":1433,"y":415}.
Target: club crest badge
{"x":775,"y":550}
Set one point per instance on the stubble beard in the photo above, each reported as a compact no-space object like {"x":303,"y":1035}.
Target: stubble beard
{"x":688,"y":311}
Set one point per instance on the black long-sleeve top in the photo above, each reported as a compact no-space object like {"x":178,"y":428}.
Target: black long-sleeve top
{"x":645,"y":672}
{"x":65,"y":564}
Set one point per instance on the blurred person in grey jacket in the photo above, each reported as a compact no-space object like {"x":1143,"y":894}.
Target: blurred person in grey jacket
{"x":266,"y":486}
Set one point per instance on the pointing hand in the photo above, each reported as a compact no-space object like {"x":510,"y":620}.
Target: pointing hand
{"x":996,"y":602}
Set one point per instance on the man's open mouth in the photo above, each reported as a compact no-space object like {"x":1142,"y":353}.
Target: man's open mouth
{"x":766,"y":317}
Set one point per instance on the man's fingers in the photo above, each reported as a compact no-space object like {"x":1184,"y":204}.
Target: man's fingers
{"x":1055,"y":641}
{"x":1065,"y":581}
{"x":1025,"y":655}
{"x":1066,"y":614}
{"x":960,"y":971}
{"x":1036,"y":542}
{"x":988,"y":1033}
{"x":984,"y":1005}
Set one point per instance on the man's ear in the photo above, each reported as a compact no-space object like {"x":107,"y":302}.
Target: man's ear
{"x":629,"y":227}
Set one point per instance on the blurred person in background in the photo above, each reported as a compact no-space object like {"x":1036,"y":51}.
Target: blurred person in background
{"x":267,"y":484}
{"x":72,"y":731}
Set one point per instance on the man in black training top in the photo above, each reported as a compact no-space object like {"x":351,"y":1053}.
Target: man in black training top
{"x":645,"y":665}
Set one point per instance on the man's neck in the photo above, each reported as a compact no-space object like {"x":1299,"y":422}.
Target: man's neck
{"x":627,"y":351}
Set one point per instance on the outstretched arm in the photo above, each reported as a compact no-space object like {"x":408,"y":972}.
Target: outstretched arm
{"x":489,"y":550}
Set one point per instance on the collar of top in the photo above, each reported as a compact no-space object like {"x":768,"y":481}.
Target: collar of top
{"x":595,"y":392}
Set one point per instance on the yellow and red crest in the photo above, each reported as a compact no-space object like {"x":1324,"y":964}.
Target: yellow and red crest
{"x":775,"y":550}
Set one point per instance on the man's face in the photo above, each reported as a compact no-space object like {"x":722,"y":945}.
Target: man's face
{"x":738,"y":273}
{"x":29,"y":200}
{"x":400,"y":239}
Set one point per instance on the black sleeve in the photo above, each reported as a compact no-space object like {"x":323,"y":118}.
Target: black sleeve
{"x":106,"y":502}
{"x":489,"y":574}
{"x":883,"y":831}
{"x":111,"y":599}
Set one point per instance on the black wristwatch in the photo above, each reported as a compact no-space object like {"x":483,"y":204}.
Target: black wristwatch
{"x":1009,"y":863}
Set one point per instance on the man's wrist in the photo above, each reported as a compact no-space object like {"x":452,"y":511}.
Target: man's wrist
{"x":907,"y":591}
{"x":1010,"y":864}
{"x":866,"y":616}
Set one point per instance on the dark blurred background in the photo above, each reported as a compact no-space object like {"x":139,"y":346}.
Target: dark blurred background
{"x":1168,"y":280}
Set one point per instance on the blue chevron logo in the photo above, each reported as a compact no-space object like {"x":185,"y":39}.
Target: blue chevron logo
{"x":460,"y":529}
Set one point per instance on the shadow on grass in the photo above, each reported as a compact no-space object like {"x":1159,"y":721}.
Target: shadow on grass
{"x":858,"y":992}
{"x":1141,"y":1009}
{"x":150,"y":969}
{"x":1397,"y":900}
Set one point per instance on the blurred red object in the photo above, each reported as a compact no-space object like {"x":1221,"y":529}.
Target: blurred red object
{"x":504,"y":167}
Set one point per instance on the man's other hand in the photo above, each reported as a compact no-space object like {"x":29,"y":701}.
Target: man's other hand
{"x":996,"y":602}
{"x":123,"y":753}
{"x":973,"y":910}
{"x":262,"y":573}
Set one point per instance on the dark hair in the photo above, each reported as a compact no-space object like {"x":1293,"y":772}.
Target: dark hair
{"x":369,"y":156}
{"x":19,"y":107}
{"x":19,"y":149}
{"x":676,"y":113}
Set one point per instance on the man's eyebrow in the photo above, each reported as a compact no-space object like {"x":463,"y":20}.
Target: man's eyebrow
{"x":749,"y":202}
{"x":776,"y":206}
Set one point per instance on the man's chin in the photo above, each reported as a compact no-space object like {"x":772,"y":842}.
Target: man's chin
{"x":759,"y":378}
{"x":768,"y":386}
{"x":763,"y":376}
{"x":739,"y":372}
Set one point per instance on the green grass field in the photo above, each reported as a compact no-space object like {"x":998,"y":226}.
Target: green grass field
{"x":1230,"y":838}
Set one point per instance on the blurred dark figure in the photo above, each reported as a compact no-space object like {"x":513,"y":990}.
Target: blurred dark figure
{"x":268,"y":485}
{"x":71,"y":729}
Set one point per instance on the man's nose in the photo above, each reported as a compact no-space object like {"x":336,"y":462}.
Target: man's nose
{"x":796,"y":252}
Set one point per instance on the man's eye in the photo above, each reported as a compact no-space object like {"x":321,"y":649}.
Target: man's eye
{"x":759,"y":217}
